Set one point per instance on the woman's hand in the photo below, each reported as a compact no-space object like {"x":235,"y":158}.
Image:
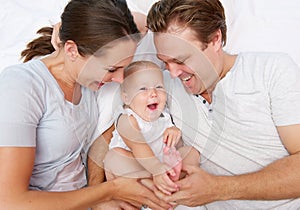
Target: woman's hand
{"x":164,"y":183}
{"x":135,"y":193}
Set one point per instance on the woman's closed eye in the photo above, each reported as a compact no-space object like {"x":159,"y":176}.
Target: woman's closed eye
{"x":112,"y":69}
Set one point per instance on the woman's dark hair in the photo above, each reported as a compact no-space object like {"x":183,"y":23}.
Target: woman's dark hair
{"x":40,"y":46}
{"x":91,"y":24}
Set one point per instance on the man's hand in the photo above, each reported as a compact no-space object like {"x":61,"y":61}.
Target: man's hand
{"x":196,"y":189}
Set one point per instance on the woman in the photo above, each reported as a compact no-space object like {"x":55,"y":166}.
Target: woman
{"x":49,"y":112}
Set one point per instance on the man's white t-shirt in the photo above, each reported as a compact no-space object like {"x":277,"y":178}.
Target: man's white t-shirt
{"x":237,"y":133}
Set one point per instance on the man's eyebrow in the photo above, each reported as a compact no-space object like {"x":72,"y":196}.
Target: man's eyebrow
{"x":176,"y":58}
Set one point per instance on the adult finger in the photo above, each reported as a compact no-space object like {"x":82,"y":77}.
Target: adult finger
{"x":127,"y":206}
{"x":150,"y":199}
{"x":165,"y":137}
{"x":189,"y":169}
{"x":181,"y":197}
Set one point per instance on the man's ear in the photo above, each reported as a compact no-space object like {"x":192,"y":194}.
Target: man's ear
{"x":217,"y":40}
{"x":71,"y":50}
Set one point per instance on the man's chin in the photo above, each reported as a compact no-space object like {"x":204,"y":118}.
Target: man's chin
{"x":189,"y":90}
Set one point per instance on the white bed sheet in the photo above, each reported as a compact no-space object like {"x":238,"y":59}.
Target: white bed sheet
{"x":253,"y":25}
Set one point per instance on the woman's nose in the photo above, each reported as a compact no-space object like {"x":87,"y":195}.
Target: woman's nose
{"x":118,"y":76}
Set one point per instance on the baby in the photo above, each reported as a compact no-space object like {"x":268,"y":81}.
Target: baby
{"x":145,"y":141}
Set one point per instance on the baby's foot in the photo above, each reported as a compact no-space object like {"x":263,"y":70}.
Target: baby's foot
{"x":173,"y":159}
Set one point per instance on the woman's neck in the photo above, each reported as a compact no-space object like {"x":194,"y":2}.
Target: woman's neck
{"x":56,"y":66}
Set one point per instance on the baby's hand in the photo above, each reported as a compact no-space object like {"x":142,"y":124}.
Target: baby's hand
{"x":172,"y":136}
{"x":164,"y":183}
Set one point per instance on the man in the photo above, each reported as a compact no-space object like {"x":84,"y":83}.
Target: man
{"x":244,"y":107}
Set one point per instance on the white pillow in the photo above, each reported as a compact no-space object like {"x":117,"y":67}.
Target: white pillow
{"x":141,"y":6}
{"x":253,"y":25}
{"x":263,"y":25}
{"x":19,"y":21}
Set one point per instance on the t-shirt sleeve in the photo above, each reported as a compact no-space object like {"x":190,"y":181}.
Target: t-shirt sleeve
{"x":20,"y":108}
{"x":285,"y":92}
{"x":108,"y":100}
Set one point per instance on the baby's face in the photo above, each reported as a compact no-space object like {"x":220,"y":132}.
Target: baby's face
{"x":145,"y":93}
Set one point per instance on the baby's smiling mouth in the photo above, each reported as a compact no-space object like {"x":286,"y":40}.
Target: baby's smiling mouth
{"x":152,"y":106}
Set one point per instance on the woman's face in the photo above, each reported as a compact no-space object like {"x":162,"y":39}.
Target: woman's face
{"x":185,"y":58}
{"x":108,"y":66}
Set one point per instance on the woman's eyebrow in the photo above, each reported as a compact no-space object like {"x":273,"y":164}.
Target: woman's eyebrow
{"x":110,"y":68}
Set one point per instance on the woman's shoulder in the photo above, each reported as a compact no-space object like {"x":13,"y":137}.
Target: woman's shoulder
{"x":28,"y":78}
{"x":31,"y":72}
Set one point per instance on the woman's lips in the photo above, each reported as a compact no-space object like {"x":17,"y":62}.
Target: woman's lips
{"x":100,"y":84}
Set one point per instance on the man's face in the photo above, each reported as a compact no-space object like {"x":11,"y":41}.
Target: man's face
{"x":185,"y":58}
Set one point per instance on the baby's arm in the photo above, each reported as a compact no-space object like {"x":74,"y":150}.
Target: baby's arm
{"x":129,"y":130}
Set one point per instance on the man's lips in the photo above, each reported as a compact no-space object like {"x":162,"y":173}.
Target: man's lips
{"x":186,"y":78}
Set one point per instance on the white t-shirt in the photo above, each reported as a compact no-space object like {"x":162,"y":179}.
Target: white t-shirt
{"x":260,"y":92}
{"x":239,"y":135}
{"x":34,"y":113}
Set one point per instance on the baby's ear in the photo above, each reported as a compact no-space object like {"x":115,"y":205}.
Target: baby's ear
{"x":125,"y":98}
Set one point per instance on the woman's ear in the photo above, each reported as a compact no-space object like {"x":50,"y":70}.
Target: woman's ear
{"x":71,"y":50}
{"x":125,"y":98}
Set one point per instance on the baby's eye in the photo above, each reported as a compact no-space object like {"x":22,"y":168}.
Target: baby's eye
{"x":159,"y":87}
{"x":143,"y":88}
